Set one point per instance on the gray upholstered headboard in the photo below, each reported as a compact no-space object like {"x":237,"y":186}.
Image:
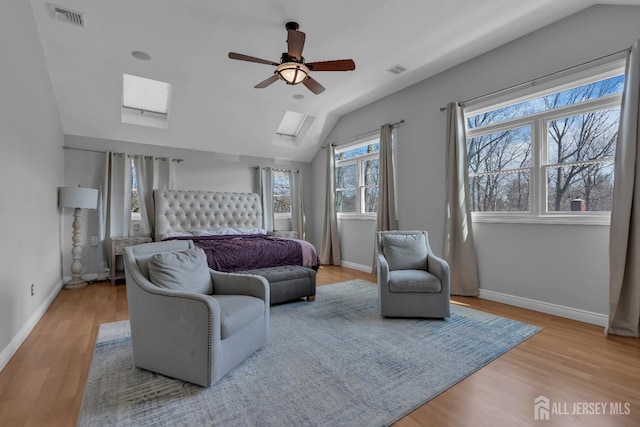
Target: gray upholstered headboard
{"x":180,"y":210}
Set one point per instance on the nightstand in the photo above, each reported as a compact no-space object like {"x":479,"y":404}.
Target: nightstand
{"x":117,"y":249}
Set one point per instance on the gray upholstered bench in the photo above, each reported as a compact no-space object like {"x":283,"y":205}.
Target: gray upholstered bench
{"x":288,"y":282}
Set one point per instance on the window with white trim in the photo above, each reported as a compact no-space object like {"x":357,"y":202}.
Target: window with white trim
{"x":549,"y":154}
{"x":357,"y":178}
{"x":281,"y":194}
{"x":135,"y":202}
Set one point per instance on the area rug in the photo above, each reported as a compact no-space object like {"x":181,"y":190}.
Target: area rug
{"x":332,"y":362}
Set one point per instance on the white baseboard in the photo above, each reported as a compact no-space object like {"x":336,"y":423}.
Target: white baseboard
{"x":91,"y":277}
{"x":546,"y":307}
{"x":354,"y":266}
{"x":8,"y":352}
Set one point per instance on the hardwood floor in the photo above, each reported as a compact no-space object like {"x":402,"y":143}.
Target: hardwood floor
{"x":568,"y":362}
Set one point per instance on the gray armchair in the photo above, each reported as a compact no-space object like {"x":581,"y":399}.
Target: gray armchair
{"x":412,"y":281}
{"x":187,"y":321}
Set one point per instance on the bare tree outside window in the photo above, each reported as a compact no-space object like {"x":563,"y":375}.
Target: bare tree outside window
{"x":135,"y":203}
{"x":574,"y":131}
{"x":357,"y":178}
{"x":281,"y":193}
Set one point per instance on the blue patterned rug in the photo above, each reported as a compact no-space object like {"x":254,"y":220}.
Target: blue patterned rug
{"x":332,"y":362}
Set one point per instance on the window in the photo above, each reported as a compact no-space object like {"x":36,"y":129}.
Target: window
{"x":291,"y":124}
{"x":145,"y":102}
{"x":549,"y":154}
{"x":135,"y":202}
{"x":357,"y":178}
{"x":281,"y":194}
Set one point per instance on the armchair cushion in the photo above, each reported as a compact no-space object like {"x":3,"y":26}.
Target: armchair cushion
{"x":413,"y":281}
{"x":237,"y":311}
{"x":184,"y":270}
{"x":405,"y":251}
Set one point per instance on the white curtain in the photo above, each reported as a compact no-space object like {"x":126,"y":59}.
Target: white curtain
{"x":115,"y":200}
{"x":298,"y":220}
{"x":386,"y":217}
{"x":264,"y":184}
{"x":624,"y":239}
{"x":152,"y":173}
{"x":330,"y":246}
{"x":459,"y":249}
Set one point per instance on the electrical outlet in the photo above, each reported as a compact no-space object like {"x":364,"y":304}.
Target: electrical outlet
{"x":33,"y":289}
{"x":94,"y":240}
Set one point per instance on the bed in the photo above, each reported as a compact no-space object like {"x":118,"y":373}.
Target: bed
{"x":228,"y":227}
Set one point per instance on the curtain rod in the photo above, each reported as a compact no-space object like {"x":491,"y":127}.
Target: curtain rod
{"x":346,"y":141}
{"x":66,"y":147}
{"x":532,"y":82}
{"x":278,"y":170}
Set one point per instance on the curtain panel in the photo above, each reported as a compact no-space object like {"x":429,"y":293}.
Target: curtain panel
{"x":264,"y":187}
{"x":115,"y":200}
{"x":116,"y":193}
{"x":624,"y":238}
{"x":459,"y":249}
{"x":152,"y":173}
{"x":386,"y":215}
{"x":298,"y":220}
{"x":330,"y":245}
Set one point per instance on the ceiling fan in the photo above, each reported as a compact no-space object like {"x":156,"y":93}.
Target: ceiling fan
{"x":292,"y":68}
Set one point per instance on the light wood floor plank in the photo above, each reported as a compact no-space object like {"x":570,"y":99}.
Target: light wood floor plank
{"x":569,"y":361}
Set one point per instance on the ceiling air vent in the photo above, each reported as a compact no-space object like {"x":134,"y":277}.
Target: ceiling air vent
{"x":66,"y":15}
{"x":397,"y":69}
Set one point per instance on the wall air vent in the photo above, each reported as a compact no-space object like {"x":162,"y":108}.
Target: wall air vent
{"x":66,"y":15}
{"x":397,"y":69}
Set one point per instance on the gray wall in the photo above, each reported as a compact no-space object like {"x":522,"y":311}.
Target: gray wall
{"x":558,"y":264}
{"x":199,"y":171}
{"x":32,"y":169}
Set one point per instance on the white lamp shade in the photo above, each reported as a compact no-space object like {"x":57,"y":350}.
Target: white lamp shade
{"x":292,"y":72}
{"x":77,"y":197}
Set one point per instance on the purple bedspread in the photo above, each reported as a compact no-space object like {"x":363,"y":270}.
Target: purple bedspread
{"x":244,"y":252}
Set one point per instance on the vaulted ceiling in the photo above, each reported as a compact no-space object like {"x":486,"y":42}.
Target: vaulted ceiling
{"x":214,"y":106}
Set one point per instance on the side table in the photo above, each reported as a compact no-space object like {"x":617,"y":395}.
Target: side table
{"x":117,"y":249}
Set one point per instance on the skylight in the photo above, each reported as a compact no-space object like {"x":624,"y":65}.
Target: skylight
{"x":145,"y":95}
{"x":145,"y":101}
{"x":291,"y":124}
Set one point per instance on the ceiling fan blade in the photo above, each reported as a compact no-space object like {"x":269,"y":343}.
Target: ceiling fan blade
{"x":337,"y":65}
{"x":248,"y":58}
{"x":295,"y":43}
{"x":266,"y":82}
{"x":313,"y":85}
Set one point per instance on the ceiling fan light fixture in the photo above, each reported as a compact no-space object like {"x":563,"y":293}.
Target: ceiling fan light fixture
{"x":292,"y":72}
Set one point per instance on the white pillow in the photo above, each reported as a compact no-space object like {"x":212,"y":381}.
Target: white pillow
{"x":216,"y":231}
{"x":177,"y":234}
{"x":184,"y":270}
{"x":250,"y":230}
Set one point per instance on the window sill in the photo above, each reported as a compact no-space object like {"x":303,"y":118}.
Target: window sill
{"x":357,"y":217}
{"x":547,"y":219}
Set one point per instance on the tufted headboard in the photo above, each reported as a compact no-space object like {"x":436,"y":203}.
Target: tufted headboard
{"x":180,"y":210}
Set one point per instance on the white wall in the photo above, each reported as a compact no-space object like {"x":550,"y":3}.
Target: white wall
{"x":565,"y":265}
{"x":31,"y":169}
{"x":199,"y":171}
